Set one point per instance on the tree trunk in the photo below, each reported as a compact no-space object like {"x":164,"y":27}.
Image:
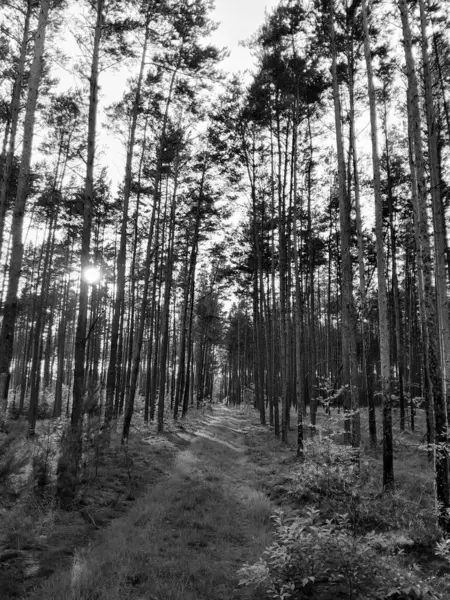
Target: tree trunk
{"x":388,"y":455}
{"x":71,"y":453}
{"x":10,"y":305}
{"x":395,"y":290}
{"x":121,"y":257}
{"x":14,"y":110}
{"x":166,"y":305}
{"x":432,"y":368}
{"x":368,"y":398}
{"x":299,"y":362}
{"x":189,"y":287}
{"x":61,"y":349}
{"x":38,"y":329}
{"x":438,"y":213}
{"x":140,"y":330}
{"x":349,"y":363}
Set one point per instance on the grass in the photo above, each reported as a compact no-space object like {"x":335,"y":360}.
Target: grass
{"x":37,"y":539}
{"x":405,"y":519}
{"x":185,"y":538}
{"x":177,"y":516}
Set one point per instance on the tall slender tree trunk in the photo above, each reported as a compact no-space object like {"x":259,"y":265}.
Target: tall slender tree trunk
{"x":14,"y":110}
{"x":121,"y":257}
{"x":38,"y":329}
{"x":189,"y":360}
{"x":168,"y":275}
{"x":10,"y":306}
{"x":433,"y":379}
{"x":437,"y":210}
{"x":349,"y":363}
{"x":189,"y":287}
{"x":257,"y":315}
{"x":61,"y":349}
{"x":312,"y":308}
{"x":388,"y":455}
{"x":298,"y":306}
{"x":136,"y":359}
{"x":368,"y":398}
{"x":395,"y":290}
{"x":272,"y":316}
{"x":69,"y":463}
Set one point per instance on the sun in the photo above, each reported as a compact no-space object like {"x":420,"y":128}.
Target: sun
{"x":92,"y":275}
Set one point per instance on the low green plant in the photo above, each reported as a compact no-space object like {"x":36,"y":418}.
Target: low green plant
{"x":44,"y":455}
{"x":312,"y":558}
{"x":13,"y":460}
{"x":442,"y":548}
{"x":6,"y":458}
{"x":329,"y":473}
{"x":258,"y":507}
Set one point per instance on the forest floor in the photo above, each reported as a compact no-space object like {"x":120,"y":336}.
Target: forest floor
{"x":192,"y":515}
{"x":175,"y":516}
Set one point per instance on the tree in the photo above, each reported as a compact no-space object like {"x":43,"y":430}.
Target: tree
{"x":431,"y":357}
{"x":120,"y":283}
{"x":388,"y":457}
{"x":10,"y":306}
{"x":13,"y":117}
{"x":69,"y":462}
{"x":349,"y":366}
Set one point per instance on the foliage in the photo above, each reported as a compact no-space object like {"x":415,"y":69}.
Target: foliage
{"x":13,"y":458}
{"x":330,"y":472}
{"x":182,"y":539}
{"x":313,"y":558}
{"x":443,"y":548}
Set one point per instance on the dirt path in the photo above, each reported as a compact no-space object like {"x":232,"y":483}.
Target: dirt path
{"x":186,"y":538}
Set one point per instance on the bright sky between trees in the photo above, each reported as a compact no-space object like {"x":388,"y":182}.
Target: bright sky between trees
{"x":238,"y":19}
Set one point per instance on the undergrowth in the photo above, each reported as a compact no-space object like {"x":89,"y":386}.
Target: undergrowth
{"x":184,"y":540}
{"x":340,"y":536}
{"x":323,"y":559}
{"x":36,"y":537}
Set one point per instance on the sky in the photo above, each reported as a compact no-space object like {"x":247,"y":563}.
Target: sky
{"x":239,"y":19}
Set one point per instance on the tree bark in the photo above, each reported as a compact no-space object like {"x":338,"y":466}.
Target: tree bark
{"x":349,"y":363}
{"x":121,"y":257}
{"x":71,"y":454}
{"x":136,"y":359}
{"x":388,"y":455}
{"x":10,"y":306}
{"x":438,"y":212}
{"x":433,"y":379}
{"x":14,"y":110}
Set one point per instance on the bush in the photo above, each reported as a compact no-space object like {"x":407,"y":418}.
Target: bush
{"x":6,"y":458}
{"x":44,"y":455}
{"x":329,"y":474}
{"x":322,"y":560}
{"x":14,"y":458}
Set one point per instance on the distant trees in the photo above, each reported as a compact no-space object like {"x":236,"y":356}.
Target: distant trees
{"x":304,"y":306}
{"x":339,"y":277}
{"x":385,"y":354}
{"x":22,"y":192}
{"x":67,"y":331}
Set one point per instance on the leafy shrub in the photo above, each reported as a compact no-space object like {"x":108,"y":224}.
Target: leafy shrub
{"x":443,"y":548}
{"x":45,"y":408}
{"x":329,"y":474}
{"x":13,"y":457}
{"x":44,"y":456}
{"x":322,"y":560}
{"x":6,"y":457}
{"x":329,"y":480}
